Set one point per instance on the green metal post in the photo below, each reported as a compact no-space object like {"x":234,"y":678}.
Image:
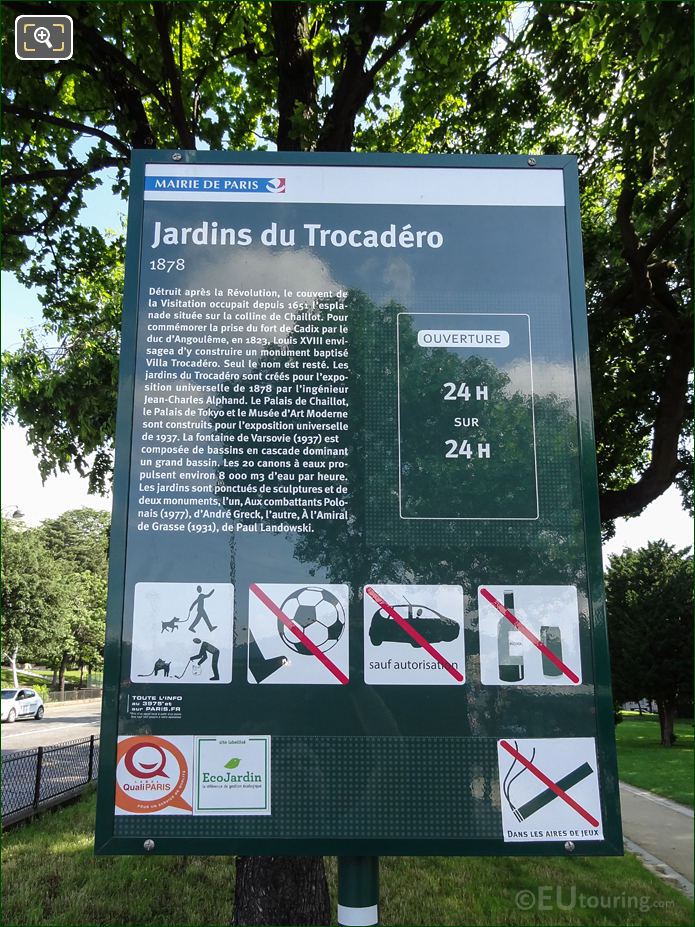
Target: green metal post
{"x":358,"y":891}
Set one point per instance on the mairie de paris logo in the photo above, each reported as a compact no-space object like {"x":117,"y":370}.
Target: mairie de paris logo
{"x":276,"y":185}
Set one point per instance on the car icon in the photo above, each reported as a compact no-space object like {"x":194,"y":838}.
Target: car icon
{"x":429,"y":623}
{"x":21,"y":703}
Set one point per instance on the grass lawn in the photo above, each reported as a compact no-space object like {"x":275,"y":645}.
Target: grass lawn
{"x":24,"y":680}
{"x":72,"y":677}
{"x":643,"y":762}
{"x":50,"y":877}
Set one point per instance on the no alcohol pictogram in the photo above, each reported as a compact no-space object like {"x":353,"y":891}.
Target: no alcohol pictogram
{"x":529,"y":635}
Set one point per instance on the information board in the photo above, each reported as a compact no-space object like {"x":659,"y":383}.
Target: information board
{"x":355,"y":595}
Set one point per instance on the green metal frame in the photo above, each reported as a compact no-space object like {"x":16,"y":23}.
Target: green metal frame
{"x":105,"y":842}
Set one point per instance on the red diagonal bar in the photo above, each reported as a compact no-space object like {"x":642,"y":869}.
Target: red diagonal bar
{"x":416,"y":636}
{"x":297,"y":631}
{"x":529,"y":635}
{"x":550,"y":784}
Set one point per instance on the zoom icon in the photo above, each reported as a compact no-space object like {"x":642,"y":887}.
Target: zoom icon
{"x":43,"y":38}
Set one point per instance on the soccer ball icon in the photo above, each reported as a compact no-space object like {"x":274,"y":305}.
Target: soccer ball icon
{"x":318,"y":613}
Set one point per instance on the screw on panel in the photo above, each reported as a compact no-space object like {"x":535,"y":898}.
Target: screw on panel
{"x":569,"y":846}
{"x":531,"y":162}
{"x":177,"y":156}
{"x":149,"y":846}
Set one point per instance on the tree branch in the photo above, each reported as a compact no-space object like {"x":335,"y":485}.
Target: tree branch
{"x":58,"y":203}
{"x":162,"y":18}
{"x":647,"y":284}
{"x":83,"y":129}
{"x":659,"y":236}
{"x":73,"y":173}
{"x":114,"y":68}
{"x":623,"y":221}
{"x":212,"y":59}
{"x":103,"y":50}
{"x":354,"y":84}
{"x":421,"y":17}
{"x":296,"y":77}
{"x":671,"y":412}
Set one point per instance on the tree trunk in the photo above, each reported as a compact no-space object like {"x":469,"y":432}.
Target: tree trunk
{"x":281,"y":890}
{"x":54,"y":681}
{"x":81,"y":674}
{"x":13,"y":664}
{"x":61,"y":672}
{"x":667,"y":712}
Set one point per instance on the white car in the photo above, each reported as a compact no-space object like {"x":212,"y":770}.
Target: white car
{"x":21,"y":703}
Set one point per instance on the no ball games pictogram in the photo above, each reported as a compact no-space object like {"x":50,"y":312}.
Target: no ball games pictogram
{"x":297,"y":631}
{"x":529,"y":635}
{"x":551,"y":787}
{"x":416,"y":636}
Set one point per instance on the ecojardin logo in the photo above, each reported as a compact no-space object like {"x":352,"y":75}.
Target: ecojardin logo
{"x":234,"y":763}
{"x":233,"y":775}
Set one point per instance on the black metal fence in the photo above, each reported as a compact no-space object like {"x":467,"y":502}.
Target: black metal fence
{"x":74,"y":695}
{"x":37,"y":779}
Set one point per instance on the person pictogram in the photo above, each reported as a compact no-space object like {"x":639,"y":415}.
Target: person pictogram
{"x":206,"y":649}
{"x":199,"y":604}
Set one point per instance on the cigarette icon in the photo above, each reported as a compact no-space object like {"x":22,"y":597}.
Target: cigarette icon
{"x":547,"y":795}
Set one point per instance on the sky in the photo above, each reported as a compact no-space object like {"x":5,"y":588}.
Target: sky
{"x":21,"y":486}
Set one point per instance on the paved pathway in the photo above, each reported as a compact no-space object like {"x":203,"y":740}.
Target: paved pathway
{"x":661,"y":828}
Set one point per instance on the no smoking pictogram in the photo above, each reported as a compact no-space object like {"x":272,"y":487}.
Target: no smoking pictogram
{"x":549,"y":789}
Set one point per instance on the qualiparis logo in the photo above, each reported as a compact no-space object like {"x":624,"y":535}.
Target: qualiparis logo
{"x":151,"y":775}
{"x":276,"y":185}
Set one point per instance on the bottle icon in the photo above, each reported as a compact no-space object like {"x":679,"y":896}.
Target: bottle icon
{"x":552,"y":638}
{"x":510,"y":652}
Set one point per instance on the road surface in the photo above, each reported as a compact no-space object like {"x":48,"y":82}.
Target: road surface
{"x":62,"y":721}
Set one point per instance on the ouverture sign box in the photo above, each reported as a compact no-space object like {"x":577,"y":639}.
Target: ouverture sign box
{"x":355,"y":601}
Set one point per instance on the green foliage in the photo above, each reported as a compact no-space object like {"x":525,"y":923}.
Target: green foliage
{"x":34,"y":600}
{"x":40,"y":689}
{"x":79,"y":538}
{"x":54,"y":589}
{"x":87,"y":618}
{"x":608,"y":82}
{"x":649,"y":596}
{"x":62,"y":385}
{"x":78,"y":541}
